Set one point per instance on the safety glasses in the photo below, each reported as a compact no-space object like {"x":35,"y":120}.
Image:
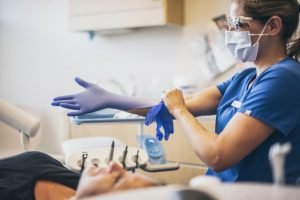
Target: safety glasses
{"x":239,"y":22}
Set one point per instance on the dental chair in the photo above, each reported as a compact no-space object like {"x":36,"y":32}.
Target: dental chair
{"x":26,"y":123}
{"x":224,"y":191}
{"x":17,"y":118}
{"x":210,"y":188}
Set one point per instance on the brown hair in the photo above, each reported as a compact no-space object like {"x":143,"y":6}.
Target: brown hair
{"x":287,"y":10}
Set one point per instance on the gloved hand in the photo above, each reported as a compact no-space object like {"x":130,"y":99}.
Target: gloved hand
{"x":163,"y":118}
{"x":96,"y":98}
{"x":92,"y":99}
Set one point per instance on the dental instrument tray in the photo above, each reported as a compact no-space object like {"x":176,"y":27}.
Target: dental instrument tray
{"x":101,"y":156}
{"x":107,"y":115}
{"x":100,"y":151}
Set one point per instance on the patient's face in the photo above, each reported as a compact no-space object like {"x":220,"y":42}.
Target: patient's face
{"x":114,"y":178}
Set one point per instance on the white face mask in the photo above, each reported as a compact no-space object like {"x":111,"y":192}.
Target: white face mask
{"x":240,"y":45}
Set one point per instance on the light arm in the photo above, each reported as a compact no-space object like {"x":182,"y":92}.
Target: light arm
{"x":204,"y":102}
{"x":17,"y":118}
{"x":241,"y":135}
{"x":96,"y":98}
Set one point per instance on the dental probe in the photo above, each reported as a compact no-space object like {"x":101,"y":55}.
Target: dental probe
{"x":136,"y":160}
{"x":84,"y":157}
{"x":111,"y":152}
{"x":124,"y":157}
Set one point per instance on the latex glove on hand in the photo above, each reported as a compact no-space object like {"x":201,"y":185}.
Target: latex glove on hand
{"x":163,"y":119}
{"x":163,"y":113}
{"x":92,"y":99}
{"x":96,"y":98}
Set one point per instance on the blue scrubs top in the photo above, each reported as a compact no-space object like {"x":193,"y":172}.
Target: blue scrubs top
{"x":274,"y":99}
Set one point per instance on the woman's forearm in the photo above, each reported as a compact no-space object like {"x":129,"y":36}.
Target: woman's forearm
{"x":129,"y":103}
{"x":139,"y":111}
{"x":202,"y":140}
{"x":204,"y":102}
{"x":136,"y":105}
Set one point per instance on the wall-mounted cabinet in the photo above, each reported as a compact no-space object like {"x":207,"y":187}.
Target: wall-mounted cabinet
{"x":97,"y":15}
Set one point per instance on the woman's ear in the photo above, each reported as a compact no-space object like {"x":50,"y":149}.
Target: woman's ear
{"x":275,"y":25}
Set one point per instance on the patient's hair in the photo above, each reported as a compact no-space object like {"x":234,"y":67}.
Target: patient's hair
{"x":189,"y":194}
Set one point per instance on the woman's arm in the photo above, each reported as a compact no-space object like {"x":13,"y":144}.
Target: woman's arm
{"x":96,"y":98}
{"x":241,"y":135}
{"x":47,"y":190}
{"x":205,"y":102}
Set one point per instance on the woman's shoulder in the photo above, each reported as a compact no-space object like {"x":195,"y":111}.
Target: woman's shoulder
{"x":281,"y":77}
{"x":287,"y":69}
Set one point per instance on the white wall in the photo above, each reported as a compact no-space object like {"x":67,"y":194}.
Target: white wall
{"x":39,"y":57}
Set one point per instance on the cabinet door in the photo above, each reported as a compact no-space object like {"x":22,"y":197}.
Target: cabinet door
{"x":95,"y":15}
{"x":92,"y":7}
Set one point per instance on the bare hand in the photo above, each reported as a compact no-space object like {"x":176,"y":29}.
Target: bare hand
{"x":174,"y":100}
{"x":98,"y":180}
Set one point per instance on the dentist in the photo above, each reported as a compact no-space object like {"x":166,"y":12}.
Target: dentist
{"x":255,"y":109}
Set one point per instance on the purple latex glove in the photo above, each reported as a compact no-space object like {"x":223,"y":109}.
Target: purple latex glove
{"x":96,"y":98}
{"x":163,"y":119}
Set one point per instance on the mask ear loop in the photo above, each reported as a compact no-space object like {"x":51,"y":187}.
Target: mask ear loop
{"x":262,"y":33}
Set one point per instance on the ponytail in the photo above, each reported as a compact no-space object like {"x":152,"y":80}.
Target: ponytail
{"x":293,"y":49}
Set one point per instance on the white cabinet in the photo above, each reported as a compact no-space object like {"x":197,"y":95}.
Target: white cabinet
{"x":95,"y":15}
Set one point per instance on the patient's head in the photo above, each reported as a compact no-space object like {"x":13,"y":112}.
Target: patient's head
{"x":114,"y":178}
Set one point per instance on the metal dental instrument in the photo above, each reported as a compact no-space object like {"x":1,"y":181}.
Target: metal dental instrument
{"x":137,"y":165}
{"x":111,"y":152}
{"x":136,"y":160}
{"x":84,"y":157}
{"x":124,"y":157}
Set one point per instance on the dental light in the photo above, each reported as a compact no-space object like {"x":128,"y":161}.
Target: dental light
{"x":17,"y":118}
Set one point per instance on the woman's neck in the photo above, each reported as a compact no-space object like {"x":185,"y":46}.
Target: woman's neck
{"x":269,"y":57}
